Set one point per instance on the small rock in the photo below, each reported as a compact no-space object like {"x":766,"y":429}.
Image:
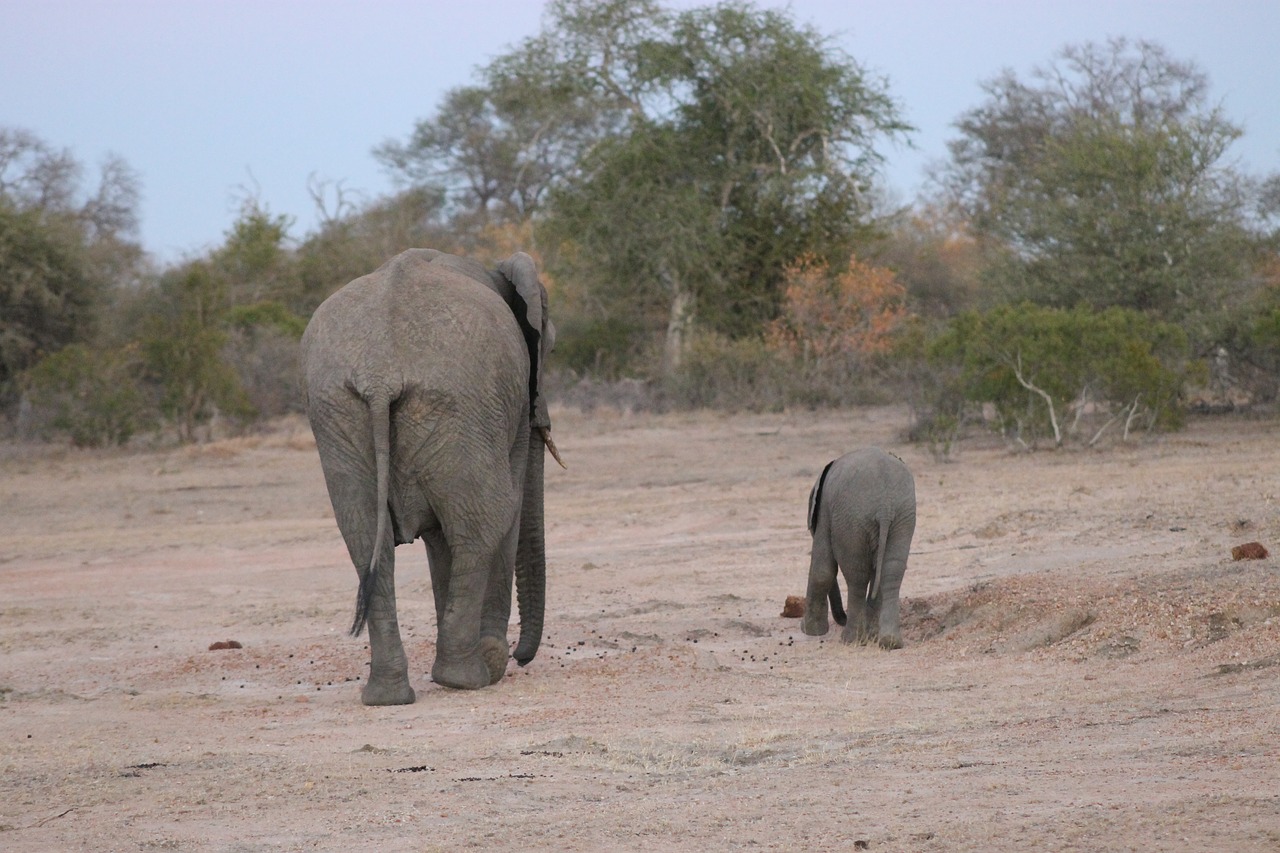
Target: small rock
{"x":225,"y":644}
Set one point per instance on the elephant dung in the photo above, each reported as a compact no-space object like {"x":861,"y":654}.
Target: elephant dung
{"x":794,"y":607}
{"x":1249,"y":551}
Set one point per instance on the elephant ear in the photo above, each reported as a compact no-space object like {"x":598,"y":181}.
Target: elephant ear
{"x":529,"y":306}
{"x":815,"y":498}
{"x":519,"y":269}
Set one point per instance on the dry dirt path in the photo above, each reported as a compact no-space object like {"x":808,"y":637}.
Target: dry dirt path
{"x":1086,"y":669}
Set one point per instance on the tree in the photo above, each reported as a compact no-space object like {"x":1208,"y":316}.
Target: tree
{"x":61,"y":248}
{"x":34,"y":175}
{"x":750,"y":142}
{"x":1102,"y":181}
{"x":94,"y":395}
{"x":254,"y":258}
{"x":47,"y":296}
{"x":496,"y":148}
{"x":934,"y":256}
{"x":673,"y":163}
{"x":359,"y":240}
{"x":183,"y":346}
{"x":639,"y":239}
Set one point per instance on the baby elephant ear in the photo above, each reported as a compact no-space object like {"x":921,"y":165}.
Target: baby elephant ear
{"x":521,"y":272}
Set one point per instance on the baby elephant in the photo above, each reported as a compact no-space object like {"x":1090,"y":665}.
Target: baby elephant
{"x":862,"y":514}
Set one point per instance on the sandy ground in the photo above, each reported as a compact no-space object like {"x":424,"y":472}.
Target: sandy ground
{"x":1086,"y":666}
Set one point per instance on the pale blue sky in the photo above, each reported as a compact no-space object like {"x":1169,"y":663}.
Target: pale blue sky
{"x":205,"y":98}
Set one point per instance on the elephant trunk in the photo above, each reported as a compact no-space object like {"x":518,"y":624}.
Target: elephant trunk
{"x":531,"y":554}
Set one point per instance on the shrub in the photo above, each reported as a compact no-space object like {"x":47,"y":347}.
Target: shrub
{"x":1048,"y":372}
{"x":262,"y":348}
{"x":265,"y":361}
{"x":93,"y":396}
{"x":195,"y":381}
{"x":603,"y":348}
{"x":734,"y":375}
{"x":749,"y":375}
{"x":832,"y":317}
{"x":183,"y":345}
{"x":269,"y":315}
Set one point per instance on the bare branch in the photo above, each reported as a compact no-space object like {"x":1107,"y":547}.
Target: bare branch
{"x":319,"y":189}
{"x":1133,"y":411}
{"x":1016,"y":364}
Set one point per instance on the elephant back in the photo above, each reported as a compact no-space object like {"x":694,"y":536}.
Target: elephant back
{"x":469,"y":267}
{"x":863,"y":483}
{"x":404,"y":326}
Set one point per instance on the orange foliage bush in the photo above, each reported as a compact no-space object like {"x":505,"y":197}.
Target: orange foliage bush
{"x":825,"y":315}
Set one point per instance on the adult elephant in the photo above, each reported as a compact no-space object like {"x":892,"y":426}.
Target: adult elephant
{"x":422,"y":385}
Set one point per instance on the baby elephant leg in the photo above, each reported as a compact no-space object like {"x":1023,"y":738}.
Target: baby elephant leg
{"x":822,"y":581}
{"x":861,"y":627}
{"x":888,"y":619}
{"x":858,"y":566}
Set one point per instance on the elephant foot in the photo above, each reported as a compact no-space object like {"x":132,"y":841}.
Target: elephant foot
{"x":815,"y":626}
{"x":387,"y":692}
{"x":495,"y":653}
{"x":890,"y":641}
{"x":853,"y":634}
{"x":465,"y":674}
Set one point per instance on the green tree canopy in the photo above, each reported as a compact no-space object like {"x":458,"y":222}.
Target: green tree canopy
{"x":1101,"y":180}
{"x":182,"y":344}
{"x":255,"y":259}
{"x":496,"y":148}
{"x":751,"y":142}
{"x":61,"y":246}
{"x":46,"y":291}
{"x":674,"y":162}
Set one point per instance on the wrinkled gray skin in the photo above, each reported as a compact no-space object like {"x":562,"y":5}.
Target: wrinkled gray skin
{"x":418,"y":387}
{"x":862,"y":514}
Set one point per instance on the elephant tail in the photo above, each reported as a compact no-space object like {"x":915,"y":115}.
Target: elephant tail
{"x":885,"y":521}
{"x":380,"y":419}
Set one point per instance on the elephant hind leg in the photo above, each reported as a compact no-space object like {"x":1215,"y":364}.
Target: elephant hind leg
{"x":398,"y":692}
{"x":349,"y":472}
{"x":493,"y":647}
{"x":856,"y":560}
{"x":893,"y":568}
{"x":861,"y":626}
{"x":887,"y":608}
{"x":461,"y":673}
{"x":470,"y":655}
{"x":471,"y":542}
{"x":822,"y":582}
{"x":388,"y":682}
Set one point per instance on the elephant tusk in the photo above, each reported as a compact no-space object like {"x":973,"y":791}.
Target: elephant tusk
{"x":551,"y":445}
